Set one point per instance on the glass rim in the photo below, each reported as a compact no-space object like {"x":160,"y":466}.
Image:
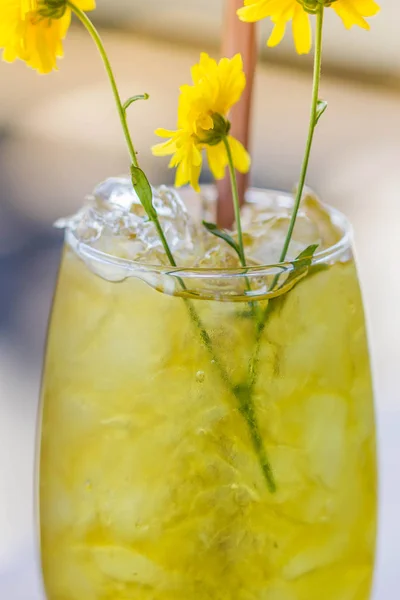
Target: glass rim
{"x":86,"y":251}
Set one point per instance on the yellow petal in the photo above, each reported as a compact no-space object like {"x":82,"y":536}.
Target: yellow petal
{"x":194,"y":178}
{"x":368,"y":8}
{"x":167,"y":133}
{"x":241,"y":158}
{"x":207,"y":66}
{"x":85,"y":5}
{"x":254,"y":11}
{"x":232,"y":82}
{"x":188,"y":173}
{"x":277,"y":34}
{"x":217,"y":160}
{"x":34,"y":40}
{"x":164,"y":149}
{"x":302,"y":31}
{"x":352,"y":12}
{"x":181,"y":177}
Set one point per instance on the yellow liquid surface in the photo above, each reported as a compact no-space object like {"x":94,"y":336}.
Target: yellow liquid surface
{"x":150,"y":486}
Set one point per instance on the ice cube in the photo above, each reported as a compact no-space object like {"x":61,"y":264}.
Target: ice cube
{"x":116,"y":191}
{"x":115,"y":222}
{"x":219,"y":256}
{"x":86,"y":225}
{"x":265,"y":239}
{"x":123,"y":564}
{"x":266,"y":223}
{"x":266,"y":219}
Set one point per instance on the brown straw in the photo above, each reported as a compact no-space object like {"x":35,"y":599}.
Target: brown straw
{"x":238,"y":37}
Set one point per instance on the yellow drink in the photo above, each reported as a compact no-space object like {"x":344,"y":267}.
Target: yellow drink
{"x":151,"y":488}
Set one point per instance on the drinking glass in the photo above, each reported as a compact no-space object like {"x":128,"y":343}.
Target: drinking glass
{"x":207,"y":433}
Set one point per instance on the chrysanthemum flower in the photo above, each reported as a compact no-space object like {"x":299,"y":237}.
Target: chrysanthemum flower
{"x":202,"y":122}
{"x":33,"y":30}
{"x":352,"y":12}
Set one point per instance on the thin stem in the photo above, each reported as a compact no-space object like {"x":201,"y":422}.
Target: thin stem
{"x":243,"y":394}
{"x":166,"y":246}
{"x":84,"y":19}
{"x":244,"y":399}
{"x":313,"y":122}
{"x":236,"y":201}
{"x":122,"y":108}
{"x":314,"y":105}
{"x":245,"y":403}
{"x":236,"y":205}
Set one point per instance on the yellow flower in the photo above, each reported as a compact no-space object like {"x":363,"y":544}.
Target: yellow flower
{"x":33,"y":30}
{"x":352,"y":12}
{"x":202,"y":122}
{"x":187,"y":157}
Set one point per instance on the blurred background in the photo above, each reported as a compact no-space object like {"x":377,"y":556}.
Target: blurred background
{"x":59,"y":136}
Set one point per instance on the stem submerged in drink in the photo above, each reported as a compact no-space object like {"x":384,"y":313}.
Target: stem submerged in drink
{"x":150,"y":466}
{"x":246,"y":408}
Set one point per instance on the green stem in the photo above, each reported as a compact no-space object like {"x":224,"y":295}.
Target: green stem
{"x":166,"y":246}
{"x":246,"y":407}
{"x":122,"y":108}
{"x":236,"y":201}
{"x":311,"y":130}
{"x":244,"y":399}
{"x":236,"y":206}
{"x":243,"y":394}
{"x":303,"y":174}
{"x":84,"y":19}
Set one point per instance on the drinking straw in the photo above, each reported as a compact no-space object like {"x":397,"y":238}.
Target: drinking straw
{"x":237,"y":37}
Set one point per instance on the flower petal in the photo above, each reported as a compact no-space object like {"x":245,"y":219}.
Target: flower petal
{"x":194,"y":178}
{"x":352,"y":12}
{"x":188,"y":173}
{"x":241,"y":158}
{"x":26,"y":36}
{"x":181,"y":177}
{"x":302,"y":31}
{"x":232,"y":81}
{"x":164,"y":149}
{"x":277,"y":34}
{"x":86,"y":5}
{"x":217,"y":160}
{"x":254,"y":10}
{"x":166,"y":133}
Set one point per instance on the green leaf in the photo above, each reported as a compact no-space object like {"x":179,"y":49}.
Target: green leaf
{"x":301,"y":266}
{"x":133,"y":99}
{"x":322,"y":105}
{"x":143,"y":189}
{"x":305,"y":258}
{"x":223,"y":235}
